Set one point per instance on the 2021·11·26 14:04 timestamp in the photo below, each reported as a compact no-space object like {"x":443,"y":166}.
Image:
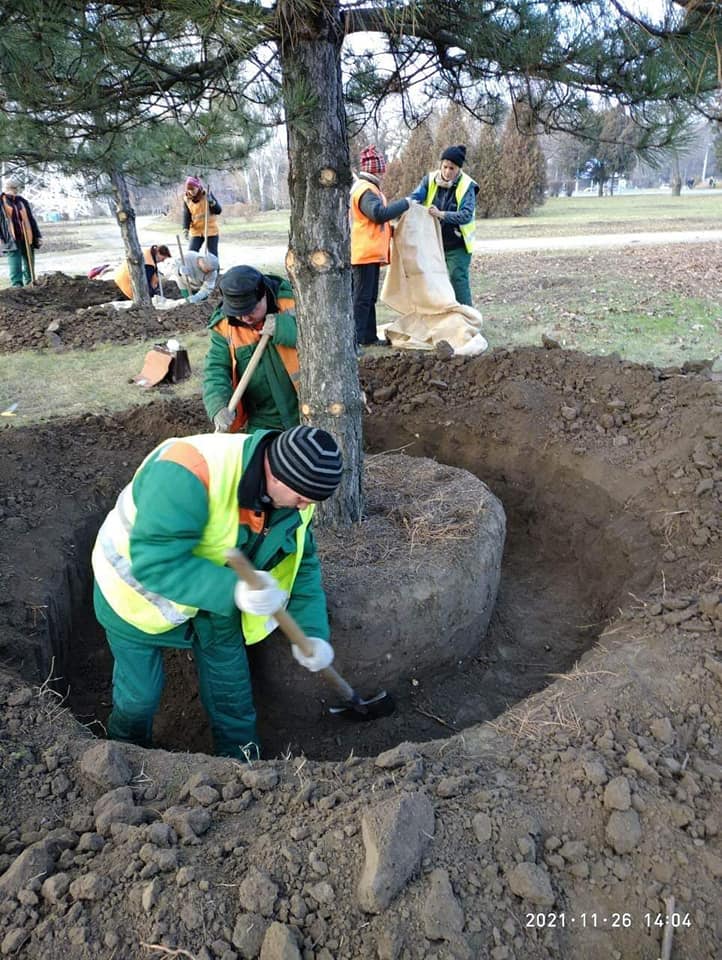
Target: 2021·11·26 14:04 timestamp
{"x":622,"y":921}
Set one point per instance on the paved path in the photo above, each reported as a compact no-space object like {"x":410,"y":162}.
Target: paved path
{"x":107,"y":246}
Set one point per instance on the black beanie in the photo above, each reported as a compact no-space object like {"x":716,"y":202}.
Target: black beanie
{"x":308,"y":460}
{"x":456,"y":154}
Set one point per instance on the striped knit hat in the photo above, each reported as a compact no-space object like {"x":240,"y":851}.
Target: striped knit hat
{"x":308,"y":460}
{"x":372,"y":161}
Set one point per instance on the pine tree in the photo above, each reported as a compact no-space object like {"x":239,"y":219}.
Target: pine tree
{"x":486,"y":164}
{"x":290,"y":55}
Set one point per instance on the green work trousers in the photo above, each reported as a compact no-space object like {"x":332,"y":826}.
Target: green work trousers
{"x":458,"y":262}
{"x":19,"y":267}
{"x":224,"y":682}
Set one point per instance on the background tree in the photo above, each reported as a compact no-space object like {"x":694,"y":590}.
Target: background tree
{"x":480,"y":53}
{"x":522,"y":167}
{"x":73,"y":109}
{"x":612,"y":139}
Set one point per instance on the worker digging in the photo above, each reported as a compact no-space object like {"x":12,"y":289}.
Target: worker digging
{"x":161,"y":578}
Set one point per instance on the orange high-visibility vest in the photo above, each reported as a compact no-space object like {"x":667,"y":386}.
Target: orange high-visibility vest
{"x":370,"y":242}
{"x":241,"y":336}
{"x":26,"y":242}
{"x":122,"y":274}
{"x":197,"y":210}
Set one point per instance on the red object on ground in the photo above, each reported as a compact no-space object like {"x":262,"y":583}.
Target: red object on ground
{"x":97,"y":271}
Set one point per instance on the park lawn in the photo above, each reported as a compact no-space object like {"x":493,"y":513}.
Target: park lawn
{"x":633,"y":213}
{"x":78,"y":382}
{"x":557,"y":217}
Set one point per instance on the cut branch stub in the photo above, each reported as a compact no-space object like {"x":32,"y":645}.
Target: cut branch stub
{"x":336,"y":409}
{"x":328,"y":177}
{"x":320,"y":260}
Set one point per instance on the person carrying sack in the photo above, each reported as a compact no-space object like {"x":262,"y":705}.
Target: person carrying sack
{"x":370,"y":241}
{"x":450,"y":196}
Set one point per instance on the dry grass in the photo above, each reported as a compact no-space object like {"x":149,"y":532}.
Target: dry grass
{"x":551,"y":710}
{"x":410,"y":503}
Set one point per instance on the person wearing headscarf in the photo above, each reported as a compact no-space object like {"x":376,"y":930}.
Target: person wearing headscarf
{"x":370,"y":240}
{"x":450,"y":196}
{"x":19,"y":233}
{"x":200,"y":214}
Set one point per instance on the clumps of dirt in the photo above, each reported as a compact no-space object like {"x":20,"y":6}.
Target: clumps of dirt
{"x":62,"y":312}
{"x":563,"y":828}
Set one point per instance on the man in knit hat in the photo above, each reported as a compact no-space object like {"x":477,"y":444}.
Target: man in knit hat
{"x":200,"y":212}
{"x":370,"y":240}
{"x":161,"y":579}
{"x":19,"y":233}
{"x":450,"y":195}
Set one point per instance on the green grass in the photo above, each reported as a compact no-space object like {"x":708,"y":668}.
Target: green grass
{"x":76,"y":382}
{"x":598,"y":302}
{"x":575,"y":216}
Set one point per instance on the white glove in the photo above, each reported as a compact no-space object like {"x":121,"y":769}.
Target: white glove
{"x":269,"y":326}
{"x":321,"y":657}
{"x":198,"y":297}
{"x":269,"y":599}
{"x":223,"y":420}
{"x":412,"y":201}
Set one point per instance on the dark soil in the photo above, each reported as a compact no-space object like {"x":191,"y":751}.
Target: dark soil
{"x":593,"y":790}
{"x":73,"y":305}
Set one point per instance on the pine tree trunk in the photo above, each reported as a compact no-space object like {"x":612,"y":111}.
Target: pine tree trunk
{"x":125,"y":215}
{"x":318,"y":260}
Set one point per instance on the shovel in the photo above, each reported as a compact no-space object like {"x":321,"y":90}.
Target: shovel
{"x":248,"y":373}
{"x":160,"y":283}
{"x":184,"y":293}
{"x":352,"y":706}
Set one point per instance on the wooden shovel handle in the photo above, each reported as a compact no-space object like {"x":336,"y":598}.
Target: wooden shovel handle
{"x":248,"y":372}
{"x":238,"y":562}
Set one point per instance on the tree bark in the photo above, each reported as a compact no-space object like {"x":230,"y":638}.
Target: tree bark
{"x":125,"y":215}
{"x":318,"y":259}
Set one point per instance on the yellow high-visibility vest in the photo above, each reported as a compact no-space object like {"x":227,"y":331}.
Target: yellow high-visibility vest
{"x":152,"y":613}
{"x":465,"y":183}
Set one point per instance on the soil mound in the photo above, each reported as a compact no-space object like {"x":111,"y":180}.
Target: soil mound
{"x":73,"y":305}
{"x":582,"y":821}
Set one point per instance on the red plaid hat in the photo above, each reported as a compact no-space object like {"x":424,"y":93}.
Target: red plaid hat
{"x":372,"y":161}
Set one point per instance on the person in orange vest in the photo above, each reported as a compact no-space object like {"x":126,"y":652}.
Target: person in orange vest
{"x":200,"y":207}
{"x":19,"y":233}
{"x":253,"y":304}
{"x":370,"y":240}
{"x":152,"y":256}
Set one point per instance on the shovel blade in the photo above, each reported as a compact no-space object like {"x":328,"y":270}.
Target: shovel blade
{"x":381,"y":705}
